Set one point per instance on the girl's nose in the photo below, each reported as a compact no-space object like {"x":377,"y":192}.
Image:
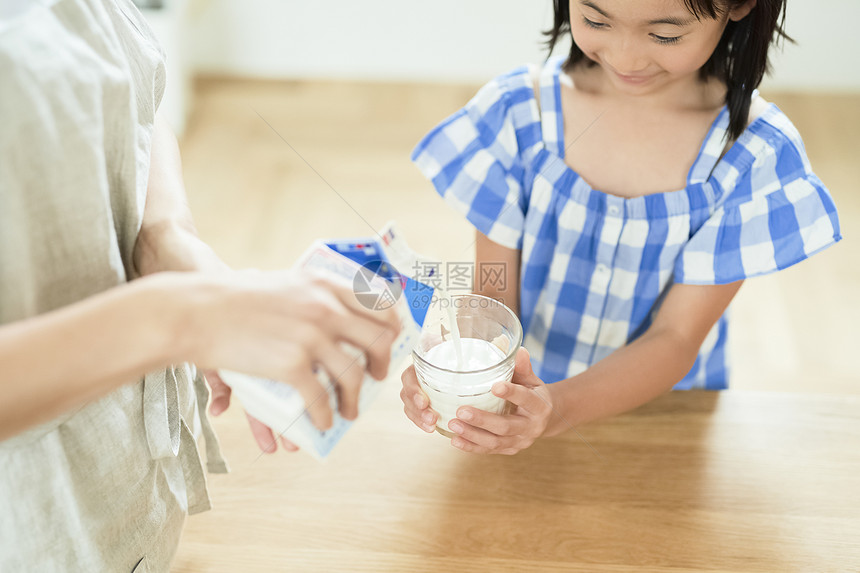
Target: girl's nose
{"x":626,"y":58}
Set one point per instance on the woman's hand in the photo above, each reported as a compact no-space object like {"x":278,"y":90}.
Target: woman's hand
{"x":263,"y":434}
{"x":281,"y":325}
{"x":278,"y":325}
{"x":482,"y":432}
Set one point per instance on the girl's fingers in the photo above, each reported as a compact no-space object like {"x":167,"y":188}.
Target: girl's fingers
{"x":412,"y":389}
{"x":420,"y":400}
{"x":410,"y":379}
{"x":416,"y":405}
{"x":481,"y":440}
{"x":477,"y":436}
{"x":423,"y":417}
{"x":530,"y":400}
{"x":497,"y":424}
{"x":467,"y":446}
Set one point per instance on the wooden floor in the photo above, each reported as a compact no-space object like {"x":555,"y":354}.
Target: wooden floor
{"x":271,"y":166}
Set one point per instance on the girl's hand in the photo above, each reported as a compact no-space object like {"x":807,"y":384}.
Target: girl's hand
{"x":280,"y":325}
{"x":485,"y":433}
{"x":416,"y":404}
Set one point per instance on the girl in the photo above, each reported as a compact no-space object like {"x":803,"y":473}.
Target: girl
{"x":629,"y":188}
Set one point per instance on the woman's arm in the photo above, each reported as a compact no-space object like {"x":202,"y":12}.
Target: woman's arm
{"x":168,"y":239}
{"x":62,"y":359}
{"x":275,"y":325}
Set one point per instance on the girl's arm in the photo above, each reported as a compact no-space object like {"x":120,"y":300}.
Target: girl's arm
{"x":498,"y":272}
{"x":628,"y":378}
{"x":647,"y":367}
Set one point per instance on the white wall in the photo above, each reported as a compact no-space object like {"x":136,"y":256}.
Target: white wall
{"x":170,"y":26}
{"x":369,"y":39}
{"x":828,"y":46}
{"x":458,"y":40}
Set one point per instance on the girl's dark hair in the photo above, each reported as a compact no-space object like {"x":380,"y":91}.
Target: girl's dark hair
{"x":740,"y":59}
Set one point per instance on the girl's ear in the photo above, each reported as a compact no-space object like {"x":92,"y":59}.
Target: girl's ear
{"x":740,"y":11}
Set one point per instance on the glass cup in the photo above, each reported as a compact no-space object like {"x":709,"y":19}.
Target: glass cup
{"x":490,"y":335}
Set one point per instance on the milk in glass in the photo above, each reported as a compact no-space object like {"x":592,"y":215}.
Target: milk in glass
{"x":463,"y":352}
{"x":457,"y":383}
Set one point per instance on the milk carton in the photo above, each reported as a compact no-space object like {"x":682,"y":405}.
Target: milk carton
{"x":377,"y":268}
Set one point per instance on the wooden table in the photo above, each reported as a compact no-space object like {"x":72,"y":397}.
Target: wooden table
{"x":694,"y":481}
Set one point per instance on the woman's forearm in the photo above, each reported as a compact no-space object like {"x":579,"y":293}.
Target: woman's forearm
{"x":63,"y":359}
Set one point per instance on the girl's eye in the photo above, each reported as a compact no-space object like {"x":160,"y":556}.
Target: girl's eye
{"x":593,"y":24}
{"x":666,"y":40}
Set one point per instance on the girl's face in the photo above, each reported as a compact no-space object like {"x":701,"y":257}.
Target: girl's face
{"x":644,"y":45}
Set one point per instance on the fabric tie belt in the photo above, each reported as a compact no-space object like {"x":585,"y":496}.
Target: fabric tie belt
{"x":168,"y":434}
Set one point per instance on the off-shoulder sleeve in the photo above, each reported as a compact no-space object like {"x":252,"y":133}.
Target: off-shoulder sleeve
{"x":777,"y":214}
{"x":476,"y":157}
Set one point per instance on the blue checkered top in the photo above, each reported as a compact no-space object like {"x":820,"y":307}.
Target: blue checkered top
{"x":594,"y":265}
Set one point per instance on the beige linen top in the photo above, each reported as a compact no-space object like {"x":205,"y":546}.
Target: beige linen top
{"x":105,"y":487}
